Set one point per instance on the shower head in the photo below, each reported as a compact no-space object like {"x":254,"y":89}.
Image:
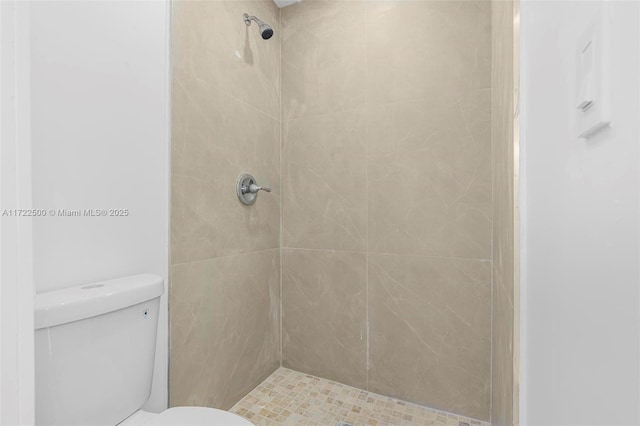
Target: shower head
{"x":265,"y":30}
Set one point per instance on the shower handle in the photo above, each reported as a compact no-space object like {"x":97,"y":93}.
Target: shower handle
{"x":247,"y":189}
{"x":253,"y":188}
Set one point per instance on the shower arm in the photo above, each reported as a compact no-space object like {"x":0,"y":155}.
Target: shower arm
{"x":248,"y":19}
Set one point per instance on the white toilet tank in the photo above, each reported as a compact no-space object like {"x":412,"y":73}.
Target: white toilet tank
{"x":95,"y":349}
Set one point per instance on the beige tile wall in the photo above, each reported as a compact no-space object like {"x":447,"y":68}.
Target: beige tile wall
{"x":505,"y":43}
{"x":429,"y":330}
{"x":225,"y":257}
{"x":387,"y":200}
{"x":325,"y":292}
{"x":225,"y":330}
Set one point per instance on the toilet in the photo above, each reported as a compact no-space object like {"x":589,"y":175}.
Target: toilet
{"x":94,"y":355}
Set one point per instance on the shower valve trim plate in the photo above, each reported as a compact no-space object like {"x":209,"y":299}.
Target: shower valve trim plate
{"x":247,"y":189}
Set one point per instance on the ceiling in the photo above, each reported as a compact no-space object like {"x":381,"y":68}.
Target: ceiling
{"x":283,"y":3}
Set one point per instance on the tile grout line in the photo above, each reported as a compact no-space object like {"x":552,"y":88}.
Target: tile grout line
{"x":169,"y":162}
{"x":382,"y":253}
{"x":205,"y":259}
{"x":493,"y":220}
{"x":281,"y":313}
{"x":366,"y":183}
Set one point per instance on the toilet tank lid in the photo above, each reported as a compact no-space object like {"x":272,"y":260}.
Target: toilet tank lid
{"x":89,"y":300}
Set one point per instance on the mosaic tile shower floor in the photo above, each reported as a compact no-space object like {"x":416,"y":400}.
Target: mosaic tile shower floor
{"x":291,"y":398}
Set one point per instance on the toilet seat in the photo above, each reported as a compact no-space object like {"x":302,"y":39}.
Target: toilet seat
{"x":188,"y":416}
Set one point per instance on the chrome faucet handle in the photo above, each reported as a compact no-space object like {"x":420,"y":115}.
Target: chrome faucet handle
{"x":253,"y":188}
{"x":247,"y":189}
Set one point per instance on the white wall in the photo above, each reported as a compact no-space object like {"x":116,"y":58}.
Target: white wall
{"x":580,"y":236}
{"x":100,"y":117}
{"x":16,"y":277}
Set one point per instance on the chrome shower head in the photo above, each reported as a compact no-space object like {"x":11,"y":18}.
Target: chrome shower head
{"x":265,"y":30}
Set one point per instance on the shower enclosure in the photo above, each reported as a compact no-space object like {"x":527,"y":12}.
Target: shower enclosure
{"x":383,"y":257}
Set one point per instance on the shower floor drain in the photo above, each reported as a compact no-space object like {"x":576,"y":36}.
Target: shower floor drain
{"x":343,"y":424}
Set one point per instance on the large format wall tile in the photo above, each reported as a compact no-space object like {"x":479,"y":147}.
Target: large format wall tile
{"x":502,"y":130}
{"x":224,"y":327}
{"x":429,"y":172}
{"x":225,"y":280}
{"x":324,"y":314}
{"x":324,"y":204}
{"x":215,"y":138}
{"x":430,"y":331}
{"x":502,"y":391}
{"x":323,"y":52}
{"x":505,"y":253}
{"x":415,"y":75}
{"x":425,"y":49}
{"x":212,"y":44}
{"x":443,"y":22}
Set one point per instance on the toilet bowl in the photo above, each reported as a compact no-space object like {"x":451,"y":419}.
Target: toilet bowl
{"x":186,"y":416}
{"x":95,"y":350}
